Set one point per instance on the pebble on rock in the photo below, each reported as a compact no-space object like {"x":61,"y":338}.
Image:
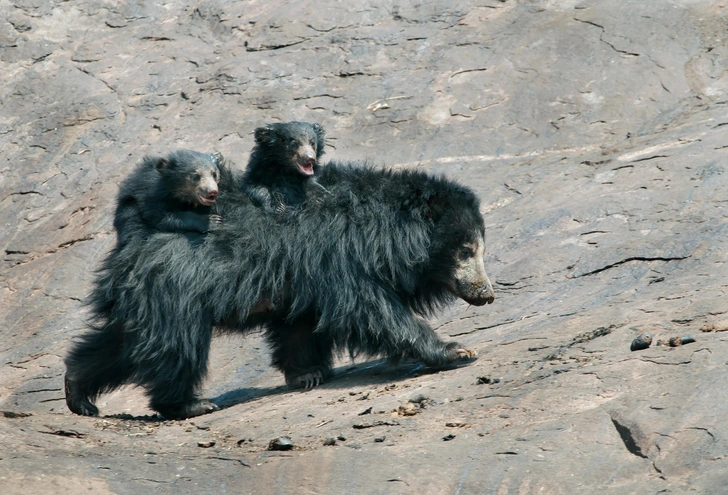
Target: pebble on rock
{"x":677,"y":341}
{"x":408,"y":409}
{"x":641,"y":342}
{"x":486,"y":380}
{"x":281,"y":443}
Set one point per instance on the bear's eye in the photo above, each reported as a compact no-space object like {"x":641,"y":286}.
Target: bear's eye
{"x":214,"y":175}
{"x":195,"y":177}
{"x":465,"y":253}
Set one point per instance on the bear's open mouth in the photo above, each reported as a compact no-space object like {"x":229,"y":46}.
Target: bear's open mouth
{"x":306,"y":168}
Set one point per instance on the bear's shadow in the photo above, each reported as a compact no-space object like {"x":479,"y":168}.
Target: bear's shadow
{"x":371,"y":373}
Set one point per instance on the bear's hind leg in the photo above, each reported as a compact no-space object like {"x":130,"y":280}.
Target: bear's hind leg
{"x":95,"y":364}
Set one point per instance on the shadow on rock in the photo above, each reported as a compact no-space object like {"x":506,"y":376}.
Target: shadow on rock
{"x":382,"y":371}
{"x":241,"y":395}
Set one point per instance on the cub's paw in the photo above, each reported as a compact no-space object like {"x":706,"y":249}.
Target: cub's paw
{"x":215,"y":221}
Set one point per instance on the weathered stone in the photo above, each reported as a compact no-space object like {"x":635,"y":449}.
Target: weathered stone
{"x":280,"y":443}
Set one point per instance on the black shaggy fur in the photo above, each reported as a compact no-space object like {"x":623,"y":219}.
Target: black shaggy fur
{"x":171,"y":194}
{"x":284,"y":164}
{"x":354,"y":273}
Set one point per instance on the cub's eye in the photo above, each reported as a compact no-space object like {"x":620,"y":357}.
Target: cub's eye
{"x":465,"y":253}
{"x":214,"y":175}
{"x":195,"y":177}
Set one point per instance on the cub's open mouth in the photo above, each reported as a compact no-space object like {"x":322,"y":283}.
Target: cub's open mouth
{"x":207,"y":200}
{"x":306,"y":168}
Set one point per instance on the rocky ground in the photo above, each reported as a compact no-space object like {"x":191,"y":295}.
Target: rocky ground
{"x":595,"y":134}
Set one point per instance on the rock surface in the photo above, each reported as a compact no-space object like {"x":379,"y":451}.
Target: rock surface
{"x":593,"y":131}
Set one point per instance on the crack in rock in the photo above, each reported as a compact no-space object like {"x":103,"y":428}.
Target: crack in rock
{"x":632,"y":258}
{"x":601,"y":38}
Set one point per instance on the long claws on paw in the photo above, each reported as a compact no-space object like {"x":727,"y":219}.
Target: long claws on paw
{"x":309,"y":380}
{"x":466,"y":354}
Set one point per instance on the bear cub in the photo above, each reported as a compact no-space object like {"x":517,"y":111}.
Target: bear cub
{"x":172,"y":194}
{"x":285,"y":159}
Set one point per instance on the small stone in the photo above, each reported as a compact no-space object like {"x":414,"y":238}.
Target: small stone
{"x":329,"y":442}
{"x":486,"y":380}
{"x":341,"y":438}
{"x":721,"y":326}
{"x":449,"y":437}
{"x":418,"y":399}
{"x":380,"y":439}
{"x":641,"y":342}
{"x":281,"y":443}
{"x":206,"y":444}
{"x":408,"y":409}
{"x":456,"y":424}
{"x":678,"y":341}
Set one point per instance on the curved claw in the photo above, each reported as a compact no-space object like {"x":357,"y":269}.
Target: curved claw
{"x":77,"y":401}
{"x":308,"y":380}
{"x":466,"y":354}
{"x":455,"y":351}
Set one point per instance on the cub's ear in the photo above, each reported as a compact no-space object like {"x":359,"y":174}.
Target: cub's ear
{"x":162,"y":164}
{"x":320,"y":139}
{"x":217,"y":158}
{"x":319,"y":130}
{"x":265,"y":135}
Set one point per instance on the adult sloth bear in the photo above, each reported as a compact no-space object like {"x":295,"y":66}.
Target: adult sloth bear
{"x":353,"y":271}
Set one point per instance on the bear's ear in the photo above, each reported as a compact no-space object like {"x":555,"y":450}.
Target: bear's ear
{"x":434,"y":203}
{"x":162,"y":164}
{"x":265,"y":135}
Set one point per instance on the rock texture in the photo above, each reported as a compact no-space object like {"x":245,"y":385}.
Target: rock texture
{"x":595,"y":134}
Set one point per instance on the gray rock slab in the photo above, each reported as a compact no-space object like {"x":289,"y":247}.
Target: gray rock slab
{"x":594,"y":133}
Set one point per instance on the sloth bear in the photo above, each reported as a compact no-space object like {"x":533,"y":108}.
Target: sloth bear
{"x":172,"y":194}
{"x":283,"y":165}
{"x":356,"y":271}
